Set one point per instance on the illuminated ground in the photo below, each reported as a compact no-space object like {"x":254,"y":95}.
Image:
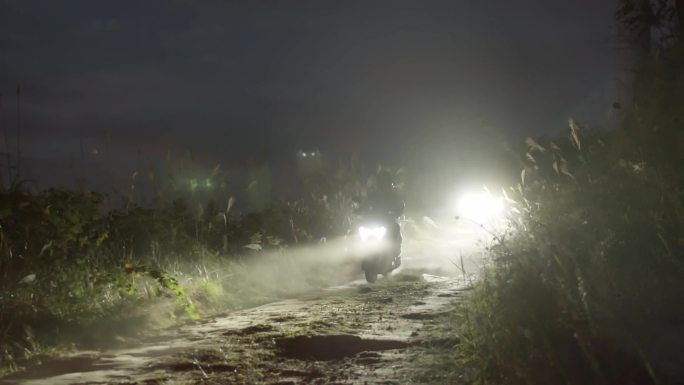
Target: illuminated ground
{"x":351,"y":334}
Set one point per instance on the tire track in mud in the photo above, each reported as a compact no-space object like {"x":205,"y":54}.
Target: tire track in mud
{"x":353,"y":334}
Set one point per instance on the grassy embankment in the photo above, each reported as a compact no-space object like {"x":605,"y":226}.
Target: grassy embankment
{"x":74,"y":272}
{"x":586,"y":286}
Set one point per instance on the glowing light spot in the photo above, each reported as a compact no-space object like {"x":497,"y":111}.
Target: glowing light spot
{"x":480,"y":207}
{"x":368,"y":233}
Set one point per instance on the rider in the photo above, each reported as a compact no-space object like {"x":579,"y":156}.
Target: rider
{"x":384,"y":201}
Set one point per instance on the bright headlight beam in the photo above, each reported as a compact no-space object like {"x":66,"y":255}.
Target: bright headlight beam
{"x":367,"y":233}
{"x":480,"y":207}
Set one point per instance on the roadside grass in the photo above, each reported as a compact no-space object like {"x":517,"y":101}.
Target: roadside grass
{"x":585,"y":286}
{"x":74,"y":273}
{"x":212,"y":285}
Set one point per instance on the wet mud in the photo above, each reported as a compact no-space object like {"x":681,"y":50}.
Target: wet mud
{"x":353,"y":334}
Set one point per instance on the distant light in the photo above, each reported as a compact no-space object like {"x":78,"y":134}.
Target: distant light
{"x":480,"y":207}
{"x":375,"y":233}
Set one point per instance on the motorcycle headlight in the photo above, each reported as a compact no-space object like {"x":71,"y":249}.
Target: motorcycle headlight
{"x":376,"y":232}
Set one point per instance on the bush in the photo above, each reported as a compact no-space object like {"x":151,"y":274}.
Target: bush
{"x":586,"y":284}
{"x":74,"y":271}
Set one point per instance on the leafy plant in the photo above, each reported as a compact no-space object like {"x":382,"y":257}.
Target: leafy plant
{"x":72,"y":265}
{"x":589,"y":269}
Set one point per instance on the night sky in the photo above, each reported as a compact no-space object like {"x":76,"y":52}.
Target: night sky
{"x":397,"y":82}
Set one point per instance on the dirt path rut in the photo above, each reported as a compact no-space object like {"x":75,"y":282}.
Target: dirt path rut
{"x":355,"y":334}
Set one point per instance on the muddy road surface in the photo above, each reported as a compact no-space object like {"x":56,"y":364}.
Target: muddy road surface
{"x":352,"y":334}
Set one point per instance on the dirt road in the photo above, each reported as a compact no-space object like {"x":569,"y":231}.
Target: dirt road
{"x":353,"y":334}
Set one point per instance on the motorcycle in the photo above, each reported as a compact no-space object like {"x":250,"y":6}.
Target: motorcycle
{"x":382,"y":238}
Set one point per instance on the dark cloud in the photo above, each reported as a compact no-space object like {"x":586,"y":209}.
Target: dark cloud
{"x":263,"y":78}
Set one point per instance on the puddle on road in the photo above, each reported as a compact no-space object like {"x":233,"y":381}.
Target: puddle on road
{"x":61,"y":366}
{"x":333,"y":347}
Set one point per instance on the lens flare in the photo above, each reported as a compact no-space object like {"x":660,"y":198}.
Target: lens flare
{"x":480,"y":207}
{"x":372,"y":233}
